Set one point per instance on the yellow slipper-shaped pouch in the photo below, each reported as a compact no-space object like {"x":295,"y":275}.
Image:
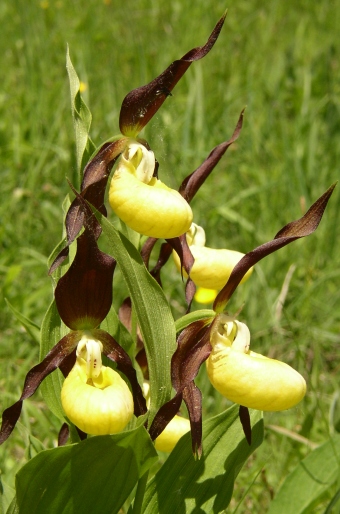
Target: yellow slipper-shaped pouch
{"x":172,"y":433}
{"x":98,"y":401}
{"x":142,"y":201}
{"x":212,"y":268}
{"x":246,"y":377}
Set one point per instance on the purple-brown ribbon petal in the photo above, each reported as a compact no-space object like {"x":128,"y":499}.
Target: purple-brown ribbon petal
{"x":193,"y":349}
{"x":140,"y":105}
{"x":192,"y":397}
{"x":296,"y":229}
{"x":244,"y":416}
{"x":194,"y":181}
{"x":116,"y":353}
{"x":34,"y":378}
{"x":84,"y":294}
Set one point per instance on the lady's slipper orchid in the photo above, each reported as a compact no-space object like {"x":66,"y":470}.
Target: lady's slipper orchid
{"x":246,"y":377}
{"x":142,"y":201}
{"x":252,"y":370}
{"x":137,"y":109}
{"x":94,"y":397}
{"x":211,"y":268}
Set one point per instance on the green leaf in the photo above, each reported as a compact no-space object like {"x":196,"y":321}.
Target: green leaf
{"x":183,"y":322}
{"x":6,"y":496}
{"x":332,"y":503}
{"x":13,"y":507}
{"x":96,"y":475}
{"x":184,"y":485}
{"x":31,"y":328}
{"x":52,"y":330}
{"x":153,"y":313}
{"x":81,"y":118}
{"x":313,"y":476}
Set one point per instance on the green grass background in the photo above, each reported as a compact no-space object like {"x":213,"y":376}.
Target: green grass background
{"x":280,"y":59}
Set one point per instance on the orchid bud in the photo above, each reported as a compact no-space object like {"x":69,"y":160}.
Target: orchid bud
{"x":212,"y":267}
{"x":246,"y":377}
{"x":94,"y":397}
{"x":172,"y":433}
{"x":142,"y":201}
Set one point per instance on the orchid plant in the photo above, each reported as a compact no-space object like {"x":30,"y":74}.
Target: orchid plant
{"x":132,"y":400}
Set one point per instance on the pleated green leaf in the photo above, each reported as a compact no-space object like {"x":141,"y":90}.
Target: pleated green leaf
{"x":303,"y":488}
{"x":153,"y":313}
{"x":94,"y":476}
{"x":185,"y":485}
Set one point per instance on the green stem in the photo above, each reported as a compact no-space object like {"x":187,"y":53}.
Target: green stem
{"x":139,"y":497}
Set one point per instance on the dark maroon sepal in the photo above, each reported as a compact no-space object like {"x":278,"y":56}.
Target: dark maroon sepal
{"x":116,"y":353}
{"x":192,"y":350}
{"x":125,"y":316}
{"x":34,"y":378}
{"x":295,"y":230}
{"x":140,"y":105}
{"x":64,"y":434}
{"x":194,"y":181}
{"x":96,"y":174}
{"x":244,"y":416}
{"x":192,"y":397}
{"x":147,"y":249}
{"x":84,"y":294}
{"x":165,"y":415}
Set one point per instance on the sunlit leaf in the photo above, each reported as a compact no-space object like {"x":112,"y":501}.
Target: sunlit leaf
{"x":153,"y":313}
{"x":95,"y":475}
{"x":313,"y":476}
{"x":204,"y":485}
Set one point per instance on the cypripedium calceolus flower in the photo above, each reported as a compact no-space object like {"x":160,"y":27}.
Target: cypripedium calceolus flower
{"x":212,"y":267}
{"x":136,"y":194}
{"x":246,"y":377}
{"x":243,"y":376}
{"x":95,"y":398}
{"x":142,"y":201}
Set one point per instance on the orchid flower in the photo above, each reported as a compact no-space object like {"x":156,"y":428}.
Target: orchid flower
{"x":241,"y":375}
{"x":137,"y":165}
{"x":95,"y":398}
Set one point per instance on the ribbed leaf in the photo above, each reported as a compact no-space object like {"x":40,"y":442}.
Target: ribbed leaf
{"x":185,"y":485}
{"x":96,"y":475}
{"x":153,"y":313}
{"x":312,"y":477}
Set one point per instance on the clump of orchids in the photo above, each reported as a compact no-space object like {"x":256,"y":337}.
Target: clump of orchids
{"x":100,"y":398}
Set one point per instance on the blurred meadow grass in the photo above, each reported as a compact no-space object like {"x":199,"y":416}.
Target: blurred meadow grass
{"x":280,"y":60}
